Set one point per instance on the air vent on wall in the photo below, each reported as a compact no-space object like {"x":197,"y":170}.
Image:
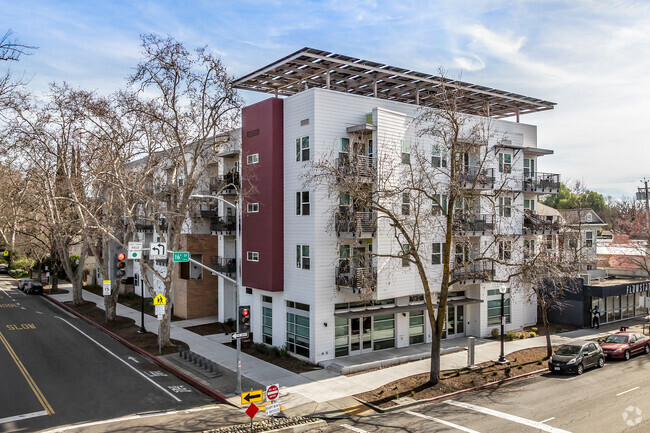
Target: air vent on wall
{"x":304,"y":122}
{"x":253,"y":133}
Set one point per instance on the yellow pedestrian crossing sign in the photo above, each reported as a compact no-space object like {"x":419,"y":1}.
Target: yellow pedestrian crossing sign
{"x":159,"y":300}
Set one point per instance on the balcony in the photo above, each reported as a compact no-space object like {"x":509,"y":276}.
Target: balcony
{"x":534,"y":225}
{"x":146,"y":225}
{"x":358,"y":224}
{"x":225,"y":265}
{"x":481,"y":270}
{"x":473,"y":224}
{"x":356,"y":280}
{"x":477,"y":178}
{"x":226,"y":184}
{"x":223,"y":225}
{"x":541,"y":183}
{"x":360,"y":166}
{"x":209,"y":213}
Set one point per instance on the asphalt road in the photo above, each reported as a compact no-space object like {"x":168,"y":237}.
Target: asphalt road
{"x":613,"y":399}
{"x":57,"y":370}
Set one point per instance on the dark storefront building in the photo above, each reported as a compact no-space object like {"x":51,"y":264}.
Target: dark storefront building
{"x":617,"y":299}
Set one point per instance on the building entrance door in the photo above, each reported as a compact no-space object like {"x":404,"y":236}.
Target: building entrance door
{"x":455,"y":321}
{"x":360,"y":335}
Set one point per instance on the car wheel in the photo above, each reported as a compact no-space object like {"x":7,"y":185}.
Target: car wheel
{"x":647,"y":349}
{"x":601,"y":362}
{"x":581,"y":369}
{"x":626,"y":355}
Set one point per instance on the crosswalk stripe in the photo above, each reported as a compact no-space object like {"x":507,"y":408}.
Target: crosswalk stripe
{"x":442,"y":421}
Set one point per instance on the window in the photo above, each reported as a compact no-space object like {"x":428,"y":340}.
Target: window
{"x":252,"y":207}
{"x":462,"y":253}
{"x":298,"y":328}
{"x":302,"y":149}
{"x":406,"y":250}
{"x":439,"y":204}
{"x":252,"y":256}
{"x":302,"y":203}
{"x":529,"y":204}
{"x":505,"y":250}
{"x":505,"y":163}
{"x":383,"y":333}
{"x":341,"y":336}
{"x":253,"y":158}
{"x":494,"y":309}
{"x":529,"y":248}
{"x":436,"y":255}
{"x":416,"y":327}
{"x":181,"y":182}
{"x":344,"y":145}
{"x":549,"y":242}
{"x":529,"y":167}
{"x":302,"y":256}
{"x":439,"y":156}
{"x":406,"y":152}
{"x":589,"y":239}
{"x":505,"y":207}
{"x":406,"y":203}
{"x":267,"y":319}
{"x":344,"y":259}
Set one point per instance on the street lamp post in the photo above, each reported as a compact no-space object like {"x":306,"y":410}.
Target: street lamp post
{"x":503,"y":289}
{"x":238,"y":272}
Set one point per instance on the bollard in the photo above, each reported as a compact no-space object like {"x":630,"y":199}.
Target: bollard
{"x":471,"y":345}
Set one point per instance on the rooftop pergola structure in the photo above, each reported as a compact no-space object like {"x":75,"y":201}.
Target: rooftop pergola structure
{"x":309,"y":67}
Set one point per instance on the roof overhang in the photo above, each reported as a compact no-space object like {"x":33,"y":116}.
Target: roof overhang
{"x":309,"y":67}
{"x":531,"y":150}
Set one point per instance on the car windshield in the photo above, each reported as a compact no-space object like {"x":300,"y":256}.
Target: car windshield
{"x":618,"y":339}
{"x":568,"y":350}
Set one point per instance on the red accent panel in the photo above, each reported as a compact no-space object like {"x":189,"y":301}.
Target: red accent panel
{"x":263,"y":232}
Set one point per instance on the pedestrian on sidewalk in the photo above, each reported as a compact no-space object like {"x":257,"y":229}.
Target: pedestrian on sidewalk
{"x":595,"y":322}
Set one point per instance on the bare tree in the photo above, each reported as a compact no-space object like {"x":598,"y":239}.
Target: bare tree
{"x":11,"y":49}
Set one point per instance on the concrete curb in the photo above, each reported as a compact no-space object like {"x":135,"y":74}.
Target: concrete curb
{"x":184,"y":377}
{"x":451,"y":394}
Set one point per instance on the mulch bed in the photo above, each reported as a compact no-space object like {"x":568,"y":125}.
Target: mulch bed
{"x":266,"y":353}
{"x":211,"y":328}
{"x":125,"y":328}
{"x":418,"y":388}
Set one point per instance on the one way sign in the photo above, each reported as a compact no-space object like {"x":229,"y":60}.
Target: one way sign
{"x":252,"y":396}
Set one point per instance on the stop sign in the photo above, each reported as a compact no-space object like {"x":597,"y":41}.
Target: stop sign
{"x":272,"y":392}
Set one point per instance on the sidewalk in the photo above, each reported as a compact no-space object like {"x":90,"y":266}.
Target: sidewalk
{"x":315,"y":388}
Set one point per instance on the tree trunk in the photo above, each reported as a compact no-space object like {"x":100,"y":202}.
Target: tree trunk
{"x":110,"y":307}
{"x":434,"y":374}
{"x":164,"y":337}
{"x":549,"y":348}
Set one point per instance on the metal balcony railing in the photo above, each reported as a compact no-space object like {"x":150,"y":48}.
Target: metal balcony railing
{"x":226,"y":265}
{"x":225,"y":184}
{"x":533,"y":224}
{"x":144,"y":224}
{"x":357,"y":223}
{"x":465,"y":223}
{"x":356,"y":280}
{"x":478,"y":270}
{"x":356,"y":165}
{"x":476,"y":177}
{"x":223,"y":225}
{"x":541,"y":182}
{"x":209,"y":213}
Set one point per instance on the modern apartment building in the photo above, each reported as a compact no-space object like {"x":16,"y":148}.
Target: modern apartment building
{"x":310,"y":267}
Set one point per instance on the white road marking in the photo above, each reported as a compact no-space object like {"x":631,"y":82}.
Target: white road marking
{"x":23,"y":416}
{"x":121,"y":360}
{"x":130,"y":358}
{"x":549,"y":419}
{"x":129,"y":418}
{"x":442,"y":421}
{"x":507,"y":416}
{"x":38,"y":312}
{"x":354,"y":429}
{"x":629,"y":390}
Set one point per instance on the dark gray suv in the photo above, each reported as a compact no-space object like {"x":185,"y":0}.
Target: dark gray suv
{"x":575,"y":357}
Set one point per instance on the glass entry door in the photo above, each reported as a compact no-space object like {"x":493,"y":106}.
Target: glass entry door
{"x":455,"y":321}
{"x":360,"y":335}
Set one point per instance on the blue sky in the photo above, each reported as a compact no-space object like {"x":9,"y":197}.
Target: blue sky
{"x":590,"y":57}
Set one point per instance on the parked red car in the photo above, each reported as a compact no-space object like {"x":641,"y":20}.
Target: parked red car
{"x":625,"y":344}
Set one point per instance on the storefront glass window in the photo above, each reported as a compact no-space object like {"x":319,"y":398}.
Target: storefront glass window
{"x":383,"y":331}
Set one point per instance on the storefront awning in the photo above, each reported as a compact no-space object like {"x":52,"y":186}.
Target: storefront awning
{"x":604,"y":291}
{"x":378,"y":311}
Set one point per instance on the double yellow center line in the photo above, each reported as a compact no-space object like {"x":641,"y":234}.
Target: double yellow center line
{"x":28,"y":377}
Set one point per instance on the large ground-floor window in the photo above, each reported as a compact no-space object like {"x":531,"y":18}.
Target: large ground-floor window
{"x":619,"y":307}
{"x":341,"y":336}
{"x":384,"y":331}
{"x":494,"y":307}
{"x":267,"y":320}
{"x":298,"y":328}
{"x":416,"y":327}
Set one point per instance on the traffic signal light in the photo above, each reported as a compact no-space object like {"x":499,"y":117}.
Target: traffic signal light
{"x":244,"y":318}
{"x":120,"y":265}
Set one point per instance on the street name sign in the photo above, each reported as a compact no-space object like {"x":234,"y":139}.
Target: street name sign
{"x":240,"y":335}
{"x":135,"y":250}
{"x":272,"y":408}
{"x":252,"y":396}
{"x":158,"y":250}
{"x":106,"y":286}
{"x":272,"y":392}
{"x":159,"y":299}
{"x":182,"y":256}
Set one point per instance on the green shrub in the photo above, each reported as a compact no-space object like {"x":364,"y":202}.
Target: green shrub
{"x":533,"y":334}
{"x":519,"y":367}
{"x":231,"y":323}
{"x":495,"y":332}
{"x":534,"y":329}
{"x":284,"y":351}
{"x":396,"y":396}
{"x":511,"y":335}
{"x":522,"y":336}
{"x":507,"y":370}
{"x":93,"y":287}
{"x":540,"y":362}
